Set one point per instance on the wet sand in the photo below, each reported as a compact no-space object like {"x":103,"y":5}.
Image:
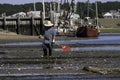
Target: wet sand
{"x":8,"y":38}
{"x":26,"y":61}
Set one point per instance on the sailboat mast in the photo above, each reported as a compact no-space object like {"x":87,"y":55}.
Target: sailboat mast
{"x":43,"y":9}
{"x":97,"y":17}
{"x":54,"y":10}
{"x":75,"y":8}
{"x":96,"y":13}
{"x":88,"y":8}
{"x":58,"y":9}
{"x":34,"y":6}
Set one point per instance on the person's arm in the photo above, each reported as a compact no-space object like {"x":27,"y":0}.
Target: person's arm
{"x":41,"y":37}
{"x":54,"y":34}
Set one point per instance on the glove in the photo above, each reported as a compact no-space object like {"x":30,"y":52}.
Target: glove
{"x":53,"y":41}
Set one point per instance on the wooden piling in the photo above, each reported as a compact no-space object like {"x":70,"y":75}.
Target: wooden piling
{"x":41,"y":23}
{"x":4,"y":23}
{"x":18,"y":25}
{"x":32,"y":26}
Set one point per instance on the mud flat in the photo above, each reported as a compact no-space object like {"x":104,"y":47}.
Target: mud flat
{"x":27,"y":60}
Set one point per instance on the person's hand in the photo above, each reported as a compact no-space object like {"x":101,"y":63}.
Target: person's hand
{"x":41,"y":37}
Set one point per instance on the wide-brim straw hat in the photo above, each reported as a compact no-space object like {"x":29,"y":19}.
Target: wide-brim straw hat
{"x":48,"y":23}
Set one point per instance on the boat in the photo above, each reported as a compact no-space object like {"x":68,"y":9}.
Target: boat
{"x":88,"y":29}
{"x":64,"y":26}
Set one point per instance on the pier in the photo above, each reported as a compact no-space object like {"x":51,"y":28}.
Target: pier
{"x":22,"y":25}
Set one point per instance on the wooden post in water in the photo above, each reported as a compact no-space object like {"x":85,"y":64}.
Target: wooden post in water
{"x":41,"y":23}
{"x":32,"y":26}
{"x":18,"y":25}
{"x":42,"y":18}
{"x":4,"y":23}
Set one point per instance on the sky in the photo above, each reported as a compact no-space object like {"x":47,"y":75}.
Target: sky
{"x":31,"y":1}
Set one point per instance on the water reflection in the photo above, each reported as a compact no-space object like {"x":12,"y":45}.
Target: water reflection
{"x":98,"y":48}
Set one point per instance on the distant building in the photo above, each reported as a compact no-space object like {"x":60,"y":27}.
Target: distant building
{"x":108,"y":15}
{"x":112,"y":14}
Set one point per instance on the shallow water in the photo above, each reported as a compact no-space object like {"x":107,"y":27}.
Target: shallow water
{"x":99,"y":40}
{"x":103,"y":39}
{"x":107,"y":40}
{"x":98,"y":48}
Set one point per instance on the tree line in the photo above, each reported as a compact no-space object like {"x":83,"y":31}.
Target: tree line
{"x":82,"y":8}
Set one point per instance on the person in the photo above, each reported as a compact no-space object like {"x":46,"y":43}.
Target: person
{"x":49,"y":38}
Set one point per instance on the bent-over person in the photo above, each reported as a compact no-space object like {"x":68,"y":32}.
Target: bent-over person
{"x":49,"y":38}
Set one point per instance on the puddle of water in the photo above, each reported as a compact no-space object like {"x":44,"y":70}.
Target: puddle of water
{"x":45,"y":77}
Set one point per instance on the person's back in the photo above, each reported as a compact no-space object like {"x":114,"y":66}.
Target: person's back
{"x":49,"y":34}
